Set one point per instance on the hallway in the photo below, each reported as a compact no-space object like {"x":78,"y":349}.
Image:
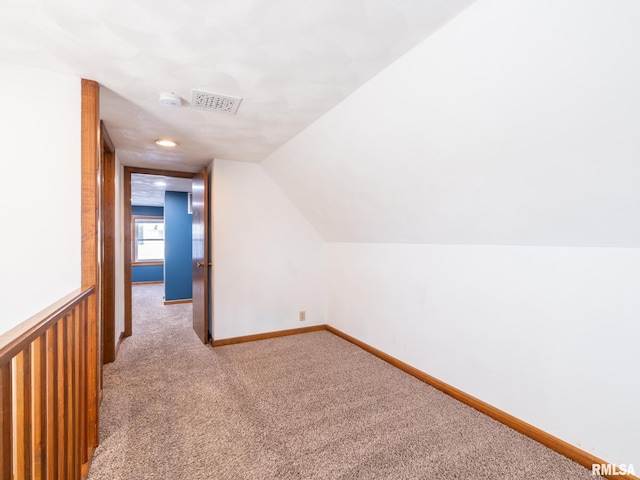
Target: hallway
{"x":138,"y":408}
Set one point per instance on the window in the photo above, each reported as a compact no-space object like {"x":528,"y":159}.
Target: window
{"x":148,"y":239}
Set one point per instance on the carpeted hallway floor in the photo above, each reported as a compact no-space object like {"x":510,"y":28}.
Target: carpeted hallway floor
{"x":307,"y":406}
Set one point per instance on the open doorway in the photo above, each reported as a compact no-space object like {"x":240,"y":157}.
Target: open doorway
{"x":161,"y":234}
{"x":187,"y":279}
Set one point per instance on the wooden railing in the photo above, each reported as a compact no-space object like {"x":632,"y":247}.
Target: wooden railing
{"x":49,"y":392}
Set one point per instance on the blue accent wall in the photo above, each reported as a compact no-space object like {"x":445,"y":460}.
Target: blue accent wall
{"x":177,"y":247}
{"x":149,"y":211}
{"x":147,"y":273}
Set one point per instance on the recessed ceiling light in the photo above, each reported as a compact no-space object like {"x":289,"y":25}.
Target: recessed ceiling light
{"x":163,"y":142}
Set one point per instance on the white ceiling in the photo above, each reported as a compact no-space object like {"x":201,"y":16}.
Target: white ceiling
{"x":290,"y":60}
{"x":148,"y":190}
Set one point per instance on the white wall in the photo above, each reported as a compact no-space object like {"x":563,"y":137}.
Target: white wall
{"x":548,"y":334}
{"x":477,"y":175}
{"x":39,"y":191}
{"x":515,"y":123}
{"x":269,"y":262}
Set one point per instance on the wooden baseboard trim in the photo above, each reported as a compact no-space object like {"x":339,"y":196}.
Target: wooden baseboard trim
{"x":265,"y":336}
{"x":176,"y":302}
{"x":154,"y":282}
{"x":566,"y":449}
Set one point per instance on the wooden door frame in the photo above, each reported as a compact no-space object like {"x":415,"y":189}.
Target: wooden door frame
{"x":128,"y":261}
{"x":107,"y":212}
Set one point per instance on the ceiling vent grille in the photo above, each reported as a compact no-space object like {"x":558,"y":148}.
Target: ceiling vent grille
{"x":214,"y":102}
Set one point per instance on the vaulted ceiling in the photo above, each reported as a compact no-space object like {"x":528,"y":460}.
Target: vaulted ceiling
{"x":290,"y":60}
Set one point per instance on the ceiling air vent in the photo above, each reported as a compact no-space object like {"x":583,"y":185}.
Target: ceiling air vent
{"x":214,"y":102}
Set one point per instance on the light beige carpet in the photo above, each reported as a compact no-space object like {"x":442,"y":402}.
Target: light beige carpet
{"x":307,"y":406}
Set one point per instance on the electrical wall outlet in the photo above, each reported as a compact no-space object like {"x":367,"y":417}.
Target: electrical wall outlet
{"x":303,"y":316}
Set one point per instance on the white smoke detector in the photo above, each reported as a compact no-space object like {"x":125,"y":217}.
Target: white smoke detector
{"x":170,"y":99}
{"x":215,"y":102}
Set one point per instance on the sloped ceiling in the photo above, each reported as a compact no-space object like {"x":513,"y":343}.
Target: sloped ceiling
{"x":517,"y":123}
{"x":290,"y":61}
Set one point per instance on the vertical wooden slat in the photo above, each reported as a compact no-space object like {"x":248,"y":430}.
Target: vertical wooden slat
{"x":52,"y":403}
{"x":61,"y":426}
{"x":6,"y":430}
{"x":93,"y":373}
{"x":22,"y":415}
{"x":77,"y":443}
{"x":84,"y":451}
{"x":38,"y":408}
{"x":69,"y":407}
